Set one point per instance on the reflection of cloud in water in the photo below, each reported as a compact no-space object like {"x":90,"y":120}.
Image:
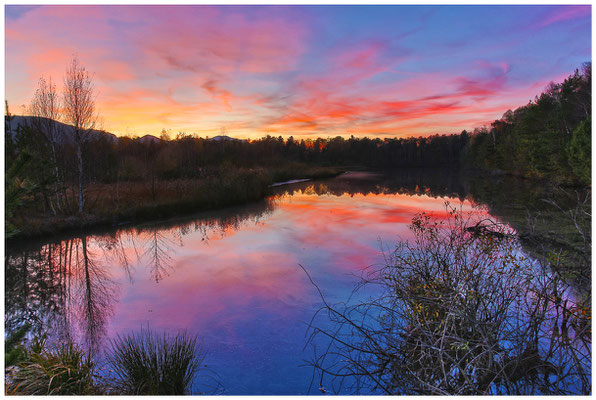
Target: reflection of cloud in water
{"x":230,"y":276}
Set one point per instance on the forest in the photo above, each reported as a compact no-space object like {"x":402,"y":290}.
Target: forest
{"x":60,"y":169}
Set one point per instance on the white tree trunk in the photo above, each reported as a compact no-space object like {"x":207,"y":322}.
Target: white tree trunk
{"x":81,"y":196}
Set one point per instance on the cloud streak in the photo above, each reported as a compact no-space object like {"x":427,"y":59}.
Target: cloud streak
{"x":303,"y":71}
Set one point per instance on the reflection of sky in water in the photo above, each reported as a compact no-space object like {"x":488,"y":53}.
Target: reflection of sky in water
{"x":232,"y":276}
{"x":243,"y":292}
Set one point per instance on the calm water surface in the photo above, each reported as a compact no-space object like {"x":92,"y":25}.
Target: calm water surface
{"x":231,"y":277}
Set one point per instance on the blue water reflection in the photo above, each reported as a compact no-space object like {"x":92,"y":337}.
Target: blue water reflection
{"x":231,"y":277}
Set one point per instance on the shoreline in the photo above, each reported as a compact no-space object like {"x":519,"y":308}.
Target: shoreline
{"x":51,"y":226}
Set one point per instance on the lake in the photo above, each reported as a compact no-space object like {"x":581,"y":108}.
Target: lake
{"x":234,"y":277}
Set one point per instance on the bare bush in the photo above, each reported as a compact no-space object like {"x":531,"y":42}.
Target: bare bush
{"x":463,"y":311}
{"x":45,"y":107}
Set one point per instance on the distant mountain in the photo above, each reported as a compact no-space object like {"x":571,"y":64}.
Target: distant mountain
{"x":149,"y":139}
{"x":224,"y":138}
{"x":65,"y":131}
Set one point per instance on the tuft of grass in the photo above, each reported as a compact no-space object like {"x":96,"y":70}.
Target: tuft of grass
{"x":64,"y":370}
{"x":148,"y":364}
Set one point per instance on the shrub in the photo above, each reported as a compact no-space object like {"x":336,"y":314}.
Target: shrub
{"x":63,"y":370}
{"x":463,"y":312}
{"x":147,"y":364}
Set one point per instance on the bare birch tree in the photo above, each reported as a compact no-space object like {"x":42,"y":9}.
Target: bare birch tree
{"x":79,"y":111}
{"x":45,"y":108}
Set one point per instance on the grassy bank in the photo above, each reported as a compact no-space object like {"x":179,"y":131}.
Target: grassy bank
{"x":140,"y":201}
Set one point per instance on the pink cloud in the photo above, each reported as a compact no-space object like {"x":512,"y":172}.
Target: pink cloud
{"x":563,"y":14}
{"x":410,"y":106}
{"x":222,"y":42}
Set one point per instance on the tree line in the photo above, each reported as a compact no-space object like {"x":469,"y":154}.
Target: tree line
{"x":550,"y":137}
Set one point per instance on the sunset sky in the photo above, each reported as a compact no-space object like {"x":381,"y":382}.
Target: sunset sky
{"x":305,"y":71}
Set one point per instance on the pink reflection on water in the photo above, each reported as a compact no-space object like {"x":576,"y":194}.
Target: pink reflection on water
{"x":213,"y":289}
{"x":223,"y":278}
{"x":233,"y":277}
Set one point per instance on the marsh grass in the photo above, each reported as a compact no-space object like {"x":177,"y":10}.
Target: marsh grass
{"x":145,"y":363}
{"x":63,"y":370}
{"x":137,"y":201}
{"x":297,"y":170}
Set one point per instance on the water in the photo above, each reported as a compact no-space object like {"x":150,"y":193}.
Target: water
{"x":232,"y":277}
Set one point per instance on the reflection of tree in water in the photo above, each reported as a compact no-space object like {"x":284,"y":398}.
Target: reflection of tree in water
{"x":154,"y":244}
{"x":159,"y":243}
{"x":157,"y":249}
{"x":114,"y":250}
{"x":407,"y":181}
{"x":96,"y":293}
{"x":32,"y":292}
{"x":220,"y":221}
{"x":61,"y":288}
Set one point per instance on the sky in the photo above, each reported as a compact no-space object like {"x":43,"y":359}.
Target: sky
{"x":305,"y":71}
